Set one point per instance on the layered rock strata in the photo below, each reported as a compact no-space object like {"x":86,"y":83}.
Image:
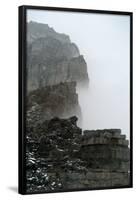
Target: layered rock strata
{"x":59,"y":100}
{"x":52,"y":58}
{"x":64,"y":158}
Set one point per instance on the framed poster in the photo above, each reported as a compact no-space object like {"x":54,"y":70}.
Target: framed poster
{"x":75,"y":99}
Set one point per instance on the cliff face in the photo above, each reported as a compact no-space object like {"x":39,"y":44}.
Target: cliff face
{"x":39,"y":30}
{"x":59,"y":100}
{"x":59,"y":155}
{"x":52,"y":58}
{"x":65,"y":158}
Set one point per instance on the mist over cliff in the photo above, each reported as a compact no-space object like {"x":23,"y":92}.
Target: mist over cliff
{"x":104,"y":40}
{"x":55,"y":69}
{"x":61,"y":151}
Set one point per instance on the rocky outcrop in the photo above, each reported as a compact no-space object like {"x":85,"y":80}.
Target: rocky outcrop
{"x":59,"y":100}
{"x":108,"y":149}
{"x":52,"y":154}
{"x":38,"y":30}
{"x":52,"y":58}
{"x":108,"y":157}
{"x":65,"y":158}
{"x":59,"y":155}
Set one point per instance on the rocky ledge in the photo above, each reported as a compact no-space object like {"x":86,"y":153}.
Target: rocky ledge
{"x":62,"y":157}
{"x":59,"y":100}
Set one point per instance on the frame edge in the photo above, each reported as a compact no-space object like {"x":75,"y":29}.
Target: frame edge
{"x":21,"y":148}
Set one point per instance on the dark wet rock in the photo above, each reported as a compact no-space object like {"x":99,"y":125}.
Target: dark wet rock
{"x":62,"y":136}
{"x":64,"y":157}
{"x":58,"y":100}
{"x":56,"y":153}
{"x":107,"y":148}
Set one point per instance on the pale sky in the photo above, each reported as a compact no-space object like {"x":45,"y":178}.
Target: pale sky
{"x":104,"y":40}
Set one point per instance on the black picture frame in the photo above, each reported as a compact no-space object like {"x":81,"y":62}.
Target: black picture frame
{"x":22,"y":92}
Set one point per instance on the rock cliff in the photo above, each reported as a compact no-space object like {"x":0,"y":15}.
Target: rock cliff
{"x":59,"y":155}
{"x":52,"y":58}
{"x":59,"y":100}
{"x":65,"y":158}
{"x":38,"y":30}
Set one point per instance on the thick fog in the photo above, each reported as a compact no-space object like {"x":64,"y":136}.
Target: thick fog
{"x":104,"y":41}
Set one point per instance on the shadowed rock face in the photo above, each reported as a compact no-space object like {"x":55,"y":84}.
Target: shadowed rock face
{"x":59,"y":100}
{"x":52,"y":58}
{"x":64,"y":158}
{"x":108,"y":149}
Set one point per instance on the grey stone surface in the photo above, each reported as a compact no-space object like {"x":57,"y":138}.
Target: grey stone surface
{"x":52,"y":58}
{"x":57,"y":100}
{"x":65,"y":160}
